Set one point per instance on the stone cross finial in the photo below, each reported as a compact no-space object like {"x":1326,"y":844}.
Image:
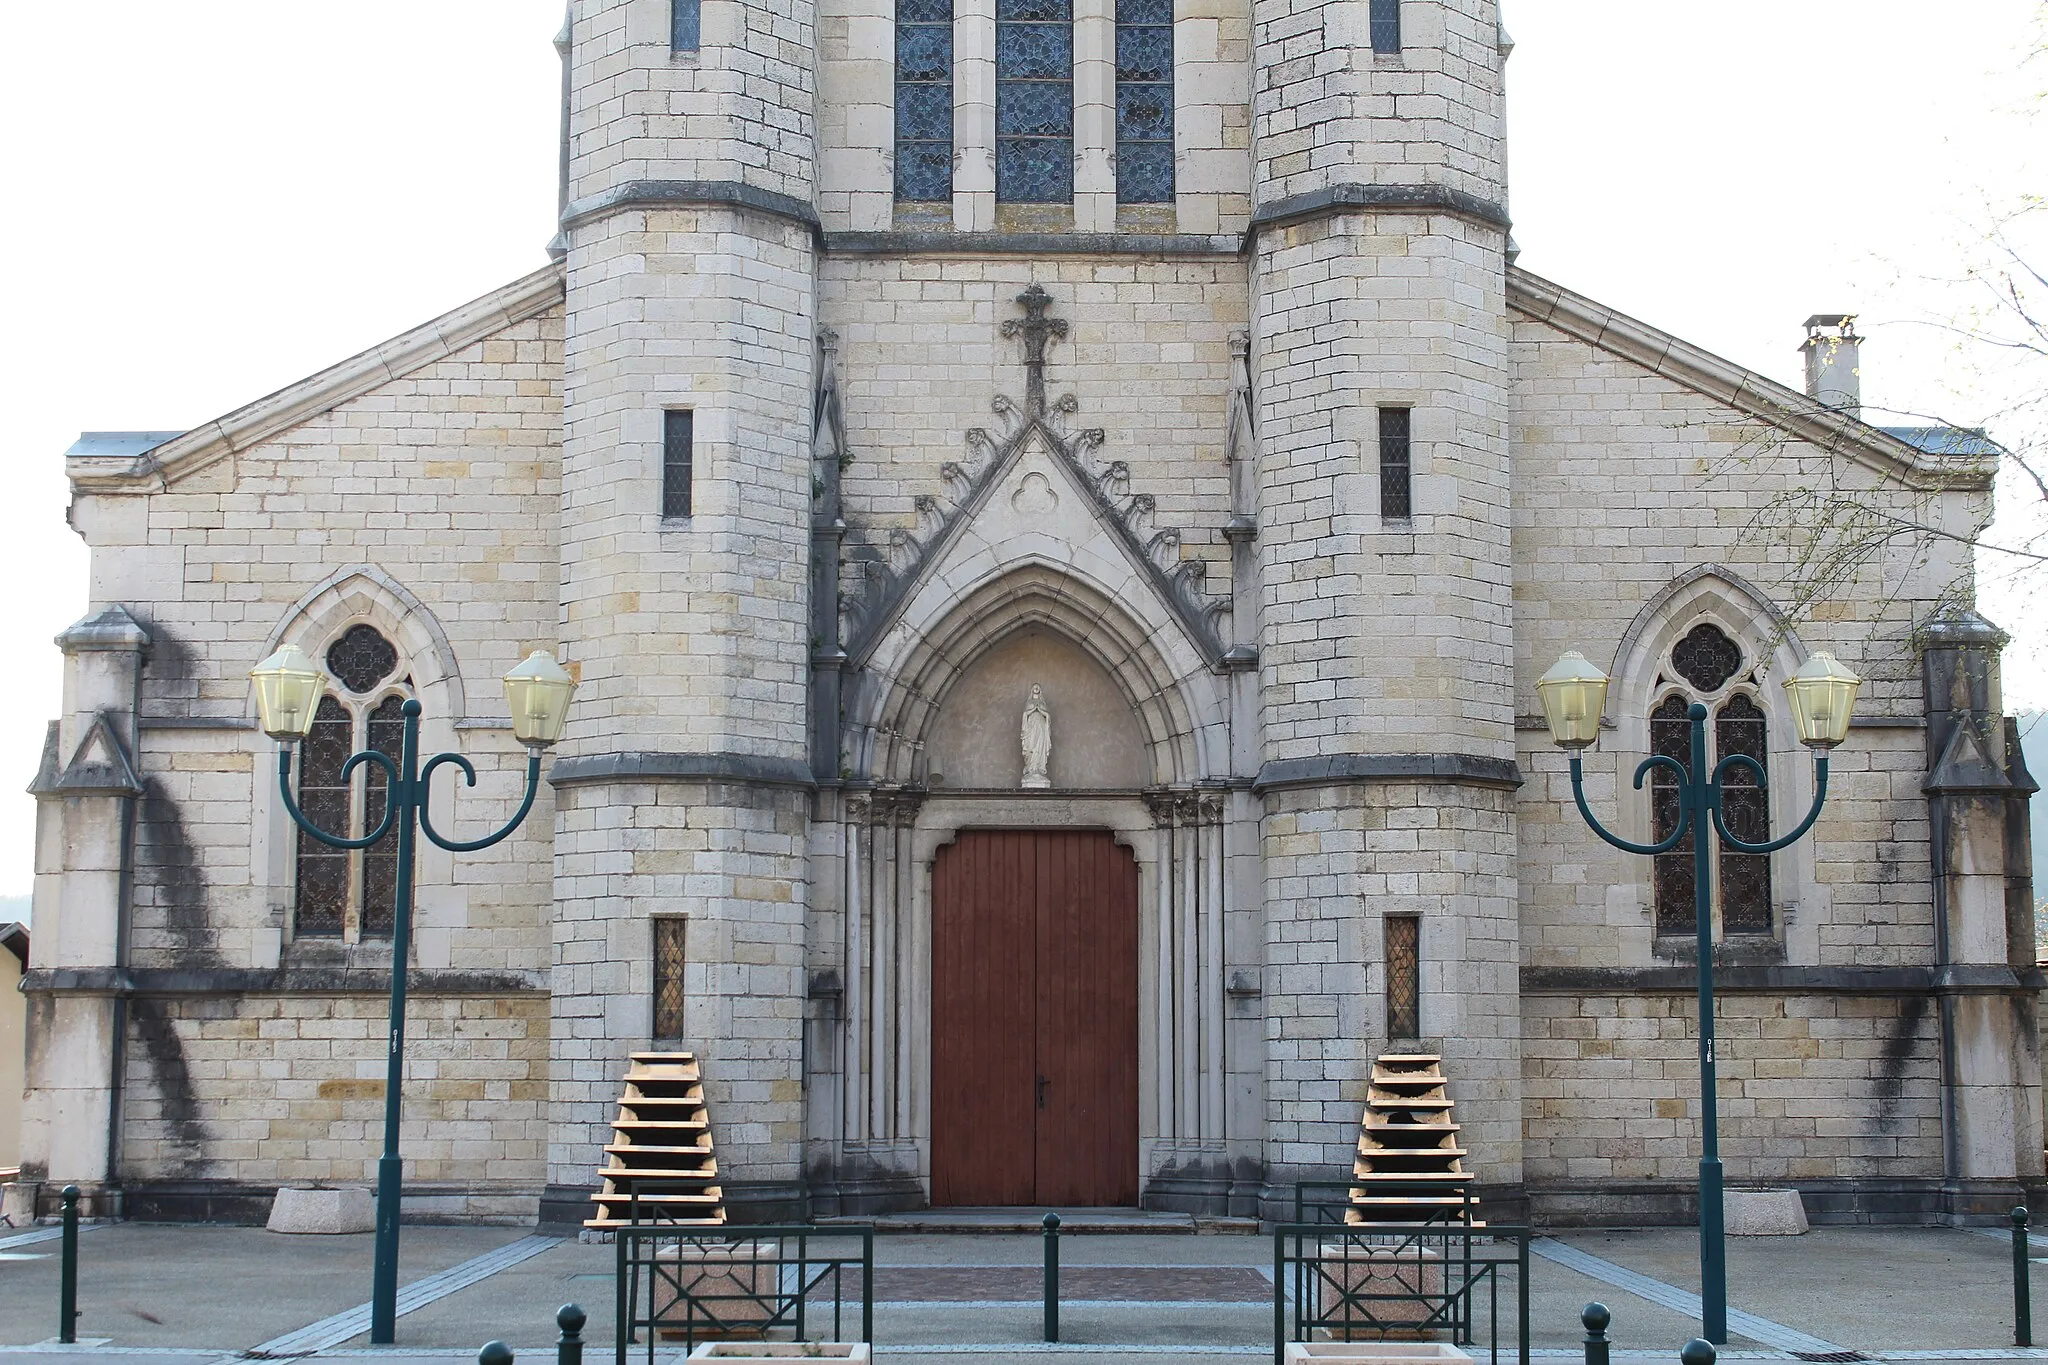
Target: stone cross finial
{"x":1035,"y":327}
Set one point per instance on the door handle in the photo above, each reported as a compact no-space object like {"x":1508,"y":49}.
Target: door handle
{"x":1042,"y":1083}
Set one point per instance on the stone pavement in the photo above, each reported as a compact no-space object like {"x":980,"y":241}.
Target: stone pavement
{"x":199,"y":1295}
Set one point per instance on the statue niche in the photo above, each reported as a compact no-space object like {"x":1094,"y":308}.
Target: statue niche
{"x":995,"y":728}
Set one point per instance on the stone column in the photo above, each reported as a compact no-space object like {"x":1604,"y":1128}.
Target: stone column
{"x":1986,"y":981}
{"x":85,"y":820}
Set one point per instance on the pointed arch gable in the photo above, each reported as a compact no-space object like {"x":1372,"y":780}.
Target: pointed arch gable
{"x":364,"y":592}
{"x":1705,"y":592}
{"x":1171,"y":690}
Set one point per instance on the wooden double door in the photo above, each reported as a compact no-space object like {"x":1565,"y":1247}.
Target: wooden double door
{"x":1034,"y":1020}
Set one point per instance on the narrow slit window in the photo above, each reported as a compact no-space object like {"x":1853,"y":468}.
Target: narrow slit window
{"x":1404,"y":976}
{"x":1396,"y":502}
{"x":1385,"y":23}
{"x":924,"y":101}
{"x":678,"y":439}
{"x":1144,"y":101}
{"x":668,"y":977}
{"x":1035,"y":101}
{"x":685,"y":25}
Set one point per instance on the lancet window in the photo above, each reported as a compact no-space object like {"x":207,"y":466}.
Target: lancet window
{"x":344,"y":893}
{"x":1035,"y":101}
{"x":1709,"y":667}
{"x":1144,"y":101}
{"x":924,"y":100}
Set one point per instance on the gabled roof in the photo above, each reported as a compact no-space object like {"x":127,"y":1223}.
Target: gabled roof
{"x":131,"y":462}
{"x":1936,"y":464}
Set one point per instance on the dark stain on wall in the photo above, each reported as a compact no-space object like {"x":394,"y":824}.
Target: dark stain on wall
{"x":169,"y":881}
{"x":164,"y":1054}
{"x":1895,"y":1060}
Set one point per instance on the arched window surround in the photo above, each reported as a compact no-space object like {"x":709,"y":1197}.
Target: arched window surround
{"x":1772,"y":647}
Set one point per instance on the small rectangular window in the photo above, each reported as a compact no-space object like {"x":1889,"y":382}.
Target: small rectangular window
{"x":1404,"y":976}
{"x":1396,"y":504}
{"x":1386,"y":25}
{"x":668,"y":976}
{"x":677,"y":439}
{"x":685,"y":25}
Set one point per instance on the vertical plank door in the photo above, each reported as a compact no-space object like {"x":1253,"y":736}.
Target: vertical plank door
{"x":1034,"y":1019}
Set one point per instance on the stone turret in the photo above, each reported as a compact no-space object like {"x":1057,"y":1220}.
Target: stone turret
{"x":689,"y":354}
{"x":1379,"y":307}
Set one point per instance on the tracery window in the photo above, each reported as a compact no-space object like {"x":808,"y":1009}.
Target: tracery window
{"x":1709,"y":667}
{"x":1144,"y":101}
{"x":344,"y":893}
{"x":1035,"y":101}
{"x":924,"y":100}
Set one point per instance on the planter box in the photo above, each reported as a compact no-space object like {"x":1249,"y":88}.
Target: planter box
{"x":1371,"y":1353}
{"x":783,"y":1350}
{"x":733,"y":1274}
{"x":1350,"y":1269}
{"x":347,"y":1209}
{"x":1763,"y":1213}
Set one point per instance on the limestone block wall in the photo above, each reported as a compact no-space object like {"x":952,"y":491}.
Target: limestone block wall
{"x":262,"y":1090}
{"x":1146,"y":356}
{"x":731,"y":859}
{"x":1812,"y":1087}
{"x":1338,"y":859}
{"x":739,"y":108}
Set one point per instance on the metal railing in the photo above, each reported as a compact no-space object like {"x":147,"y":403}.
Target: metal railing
{"x":1341,"y":1282}
{"x":691,"y":1283}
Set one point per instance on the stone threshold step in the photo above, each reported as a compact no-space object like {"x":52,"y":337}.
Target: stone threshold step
{"x":1016,"y":1220}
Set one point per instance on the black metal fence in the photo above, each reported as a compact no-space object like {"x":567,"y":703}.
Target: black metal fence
{"x":1335,"y":1281}
{"x":799,"y":1282}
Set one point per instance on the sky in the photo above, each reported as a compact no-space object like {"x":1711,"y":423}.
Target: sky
{"x":210,"y":201}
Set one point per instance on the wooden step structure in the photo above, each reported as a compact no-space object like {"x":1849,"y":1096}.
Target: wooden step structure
{"x":660,"y":1149}
{"x":1410,"y":1168}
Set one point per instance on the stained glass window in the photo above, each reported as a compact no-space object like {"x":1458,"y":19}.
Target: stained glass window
{"x":386,"y":729}
{"x":1671,"y":736}
{"x":1035,"y":101}
{"x":361,"y":658}
{"x":668,"y":977}
{"x":1745,"y":878}
{"x":1404,"y":976}
{"x":323,"y":871}
{"x":678,"y":460}
{"x":1396,"y":503}
{"x":1706,"y":657}
{"x":685,"y":25}
{"x":1144,"y":101}
{"x":924,"y":100}
{"x":1385,"y":21}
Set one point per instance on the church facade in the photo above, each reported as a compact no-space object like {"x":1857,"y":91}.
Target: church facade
{"x":1057,"y":508}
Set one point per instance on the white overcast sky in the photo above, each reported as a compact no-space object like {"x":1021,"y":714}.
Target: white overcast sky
{"x":208,"y":201}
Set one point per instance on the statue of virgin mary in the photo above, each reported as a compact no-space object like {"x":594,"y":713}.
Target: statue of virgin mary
{"x":1037,"y":736}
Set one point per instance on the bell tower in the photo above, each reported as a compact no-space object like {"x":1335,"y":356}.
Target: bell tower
{"x":689,"y":232}
{"x":1381,"y":352}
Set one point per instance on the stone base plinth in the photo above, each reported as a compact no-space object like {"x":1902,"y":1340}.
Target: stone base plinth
{"x":1371,"y":1352}
{"x":1762,"y":1213}
{"x":742,"y":1280}
{"x":1347,"y":1270}
{"x":347,"y":1209}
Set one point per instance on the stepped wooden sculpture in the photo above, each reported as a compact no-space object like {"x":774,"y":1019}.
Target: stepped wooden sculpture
{"x":1410,"y":1168}
{"x":660,"y":1152}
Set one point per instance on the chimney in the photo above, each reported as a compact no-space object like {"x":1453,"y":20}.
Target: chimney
{"x":1834,"y":361}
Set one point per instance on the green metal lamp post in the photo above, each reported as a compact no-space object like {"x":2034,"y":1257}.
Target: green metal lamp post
{"x":1820,"y":694}
{"x":288,"y":690}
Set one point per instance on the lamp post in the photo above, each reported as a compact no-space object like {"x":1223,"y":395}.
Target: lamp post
{"x":1820,"y":695}
{"x":288,"y":690}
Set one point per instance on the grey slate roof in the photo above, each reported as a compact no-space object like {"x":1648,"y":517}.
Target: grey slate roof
{"x":1947,"y":440}
{"x":119,"y":442}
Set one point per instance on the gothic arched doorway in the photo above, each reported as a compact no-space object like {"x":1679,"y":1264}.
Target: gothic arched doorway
{"x":1034,"y":1019}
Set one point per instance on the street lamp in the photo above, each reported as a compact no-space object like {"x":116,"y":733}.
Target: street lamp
{"x":1820,"y":695}
{"x":288,"y":690}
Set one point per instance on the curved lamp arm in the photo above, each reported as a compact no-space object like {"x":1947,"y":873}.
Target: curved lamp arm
{"x":284,"y":788}
{"x":1643,"y":770}
{"x":1820,"y":794}
{"x":469,"y":780}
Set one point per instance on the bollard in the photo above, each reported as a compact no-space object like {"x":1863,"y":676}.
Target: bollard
{"x":569,"y":1350}
{"x":494,"y":1353}
{"x":1697,"y":1352}
{"x":1596,"y":1317}
{"x":67,"y":1274}
{"x":1052,"y":1277}
{"x":2022,"y":1290}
